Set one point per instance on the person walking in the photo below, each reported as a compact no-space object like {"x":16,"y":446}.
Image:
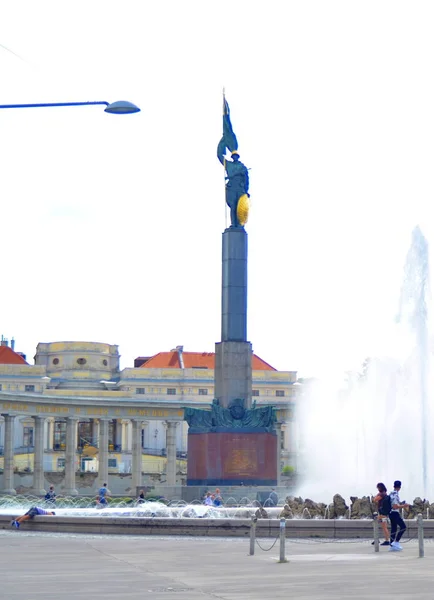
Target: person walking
{"x":383,"y":512}
{"x":103,"y":493}
{"x":395,"y":518}
{"x":30,"y":514}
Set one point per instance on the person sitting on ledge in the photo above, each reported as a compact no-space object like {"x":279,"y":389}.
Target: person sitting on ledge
{"x":30,"y":514}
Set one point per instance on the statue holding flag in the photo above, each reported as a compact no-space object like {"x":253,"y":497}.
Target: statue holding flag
{"x":237,"y":176}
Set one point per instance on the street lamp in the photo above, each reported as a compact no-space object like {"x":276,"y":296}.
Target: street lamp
{"x":121,"y":107}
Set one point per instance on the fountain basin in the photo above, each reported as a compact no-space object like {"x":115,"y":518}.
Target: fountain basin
{"x":223,"y":527}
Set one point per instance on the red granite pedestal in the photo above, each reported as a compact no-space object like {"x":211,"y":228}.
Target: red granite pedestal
{"x":232,"y":457}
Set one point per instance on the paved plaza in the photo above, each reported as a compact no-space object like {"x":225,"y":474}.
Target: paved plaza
{"x":53,"y":566}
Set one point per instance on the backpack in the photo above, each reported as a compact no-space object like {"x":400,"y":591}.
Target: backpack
{"x":385,"y":506}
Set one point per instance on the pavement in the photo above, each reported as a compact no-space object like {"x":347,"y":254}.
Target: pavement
{"x":48,"y":566}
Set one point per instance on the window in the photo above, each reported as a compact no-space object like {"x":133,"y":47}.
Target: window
{"x":60,"y":463}
{"x":104,"y":362}
{"x":280,"y":393}
{"x":255,"y":392}
{"x":27,"y":436}
{"x":81,"y":361}
{"x":112,"y":463}
{"x":29,"y":388}
{"x":55,"y":361}
{"x":203,"y":392}
{"x":171,"y":391}
{"x":140,"y":390}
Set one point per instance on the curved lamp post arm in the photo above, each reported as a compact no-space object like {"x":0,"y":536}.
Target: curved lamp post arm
{"x":120,"y":107}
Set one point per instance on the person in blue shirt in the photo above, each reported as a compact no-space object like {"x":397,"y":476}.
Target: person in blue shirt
{"x":395,"y":518}
{"x":50,"y":496}
{"x":103,"y":494}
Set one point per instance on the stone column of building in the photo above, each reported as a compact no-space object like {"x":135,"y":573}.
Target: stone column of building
{"x":50,"y":433}
{"x":95,"y":431}
{"x":136,"y":466}
{"x":103,"y":452}
{"x":171,"y":452}
{"x":38,"y":468}
{"x":279,"y":452}
{"x":70,"y":453}
{"x":8,"y":450}
{"x":126,"y":435}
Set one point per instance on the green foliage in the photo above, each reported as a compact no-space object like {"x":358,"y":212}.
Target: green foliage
{"x":288,"y":470}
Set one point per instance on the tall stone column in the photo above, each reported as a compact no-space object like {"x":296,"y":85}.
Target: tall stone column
{"x":8,"y":469}
{"x":50,"y":433}
{"x":38,"y":469}
{"x":136,"y":466}
{"x":103,"y":451}
{"x":233,"y":355}
{"x":70,"y":453}
{"x":171,"y":452}
{"x":279,"y":451}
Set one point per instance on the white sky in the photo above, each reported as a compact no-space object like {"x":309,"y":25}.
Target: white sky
{"x":111,"y":225}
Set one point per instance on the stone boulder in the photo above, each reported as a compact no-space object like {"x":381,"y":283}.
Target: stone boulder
{"x":261,"y":513}
{"x":337,"y":508}
{"x":286,"y":512}
{"x":361,"y":508}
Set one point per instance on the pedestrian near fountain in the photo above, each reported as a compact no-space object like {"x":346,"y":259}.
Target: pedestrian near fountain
{"x":141,"y":498}
{"x":50,"y":496}
{"x":383,"y":512}
{"x":395,"y":518}
{"x":218,"y":500}
{"x":103,"y":494}
{"x":208,"y":499}
{"x":273,"y":499}
{"x":30,"y":514}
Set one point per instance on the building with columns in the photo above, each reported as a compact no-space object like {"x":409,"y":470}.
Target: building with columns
{"x":75,"y":413}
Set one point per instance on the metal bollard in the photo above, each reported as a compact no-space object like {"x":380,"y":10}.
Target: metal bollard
{"x":376,"y":538}
{"x":282,"y":557}
{"x":253,"y":535}
{"x":420,"y":535}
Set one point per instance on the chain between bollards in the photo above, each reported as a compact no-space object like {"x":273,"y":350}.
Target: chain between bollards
{"x":376,"y":538}
{"x":282,"y":557}
{"x":420,"y":535}
{"x":253,"y":535}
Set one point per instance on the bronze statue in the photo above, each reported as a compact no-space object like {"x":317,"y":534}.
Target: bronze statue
{"x":237,"y":176}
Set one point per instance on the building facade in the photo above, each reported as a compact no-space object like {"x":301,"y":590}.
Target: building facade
{"x":74,"y":411}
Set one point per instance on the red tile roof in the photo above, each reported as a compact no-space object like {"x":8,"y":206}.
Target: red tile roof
{"x":9,"y":357}
{"x":165,"y":360}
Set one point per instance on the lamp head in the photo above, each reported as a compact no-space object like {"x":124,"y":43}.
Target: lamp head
{"x":121,"y":107}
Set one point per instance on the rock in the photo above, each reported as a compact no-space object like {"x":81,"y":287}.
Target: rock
{"x":261,"y":513}
{"x":361,"y":508}
{"x":286,"y":513}
{"x":337,"y":508}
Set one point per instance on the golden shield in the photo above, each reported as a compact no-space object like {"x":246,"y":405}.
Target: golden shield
{"x":243,"y":209}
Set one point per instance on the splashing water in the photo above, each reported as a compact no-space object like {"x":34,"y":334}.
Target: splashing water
{"x":379,"y":427}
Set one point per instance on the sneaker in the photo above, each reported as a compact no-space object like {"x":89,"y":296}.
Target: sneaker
{"x":385,"y":543}
{"x":15,"y":524}
{"x":397,"y":547}
{"x":393,"y":549}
